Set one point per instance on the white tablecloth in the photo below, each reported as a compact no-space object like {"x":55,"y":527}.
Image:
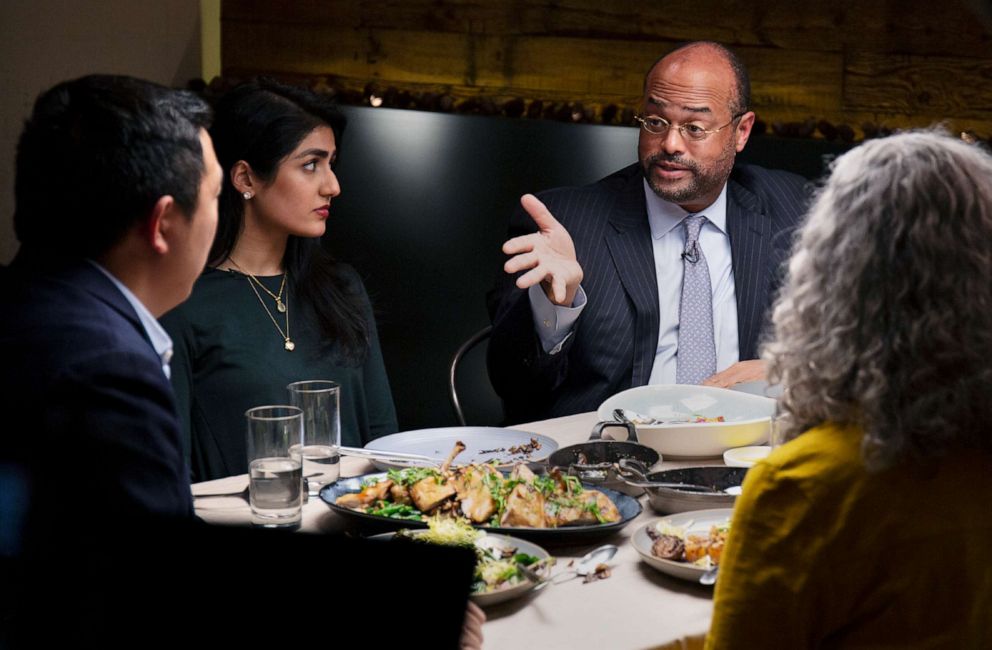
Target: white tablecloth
{"x":636,"y":607}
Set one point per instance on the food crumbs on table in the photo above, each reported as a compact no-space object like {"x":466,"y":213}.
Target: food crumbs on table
{"x":602,"y":572}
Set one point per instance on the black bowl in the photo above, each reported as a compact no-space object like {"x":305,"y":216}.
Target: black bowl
{"x":595,"y":462}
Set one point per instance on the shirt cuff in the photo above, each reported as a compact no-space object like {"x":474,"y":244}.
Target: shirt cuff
{"x":552,"y":322}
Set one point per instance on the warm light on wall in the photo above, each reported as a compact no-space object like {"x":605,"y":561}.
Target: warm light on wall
{"x":210,"y":39}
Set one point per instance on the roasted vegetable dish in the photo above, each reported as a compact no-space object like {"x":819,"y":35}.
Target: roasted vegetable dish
{"x":673,"y":543}
{"x":484,"y":496}
{"x":498,"y":564}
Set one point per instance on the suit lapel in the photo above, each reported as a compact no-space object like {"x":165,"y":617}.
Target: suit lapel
{"x":629,"y":245}
{"x":750,"y":246}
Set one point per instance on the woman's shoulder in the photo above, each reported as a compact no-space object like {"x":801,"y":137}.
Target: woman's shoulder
{"x":350,"y":281}
{"x":350,"y":276}
{"x":822,"y":461}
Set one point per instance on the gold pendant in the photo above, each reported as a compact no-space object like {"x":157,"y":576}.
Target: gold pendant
{"x":280,"y":306}
{"x":290,"y":345}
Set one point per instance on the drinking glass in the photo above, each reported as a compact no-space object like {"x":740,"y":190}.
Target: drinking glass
{"x":275,"y":467}
{"x":320,"y":401}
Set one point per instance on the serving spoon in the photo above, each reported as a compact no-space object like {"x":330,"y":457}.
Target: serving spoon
{"x":634,"y":468}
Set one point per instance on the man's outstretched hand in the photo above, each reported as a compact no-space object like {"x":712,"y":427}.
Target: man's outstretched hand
{"x":548,"y":256}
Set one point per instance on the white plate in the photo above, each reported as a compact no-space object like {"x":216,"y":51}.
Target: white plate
{"x":482,"y":445}
{"x":699,"y":523}
{"x":745,"y":456}
{"x":747,"y":418}
{"x":507,"y":593}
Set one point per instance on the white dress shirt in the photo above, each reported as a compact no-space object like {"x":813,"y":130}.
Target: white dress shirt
{"x":554,"y":323}
{"x":161,"y":341}
{"x":668,"y":242}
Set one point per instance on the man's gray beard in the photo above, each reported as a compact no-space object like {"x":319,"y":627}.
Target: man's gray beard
{"x":699,"y":184}
{"x":677,"y":196}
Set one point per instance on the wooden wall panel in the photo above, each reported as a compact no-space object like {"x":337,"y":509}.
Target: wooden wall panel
{"x":912,"y":84}
{"x":917,"y":26}
{"x":907,"y":63}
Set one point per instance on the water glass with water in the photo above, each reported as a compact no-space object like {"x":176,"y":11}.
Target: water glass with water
{"x":275,"y":466}
{"x":320,"y":401}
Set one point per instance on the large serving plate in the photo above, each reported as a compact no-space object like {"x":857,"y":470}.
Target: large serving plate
{"x":698,"y":522}
{"x":507,"y":593}
{"x":747,"y":418}
{"x":629,"y":509}
{"x":482,"y":445}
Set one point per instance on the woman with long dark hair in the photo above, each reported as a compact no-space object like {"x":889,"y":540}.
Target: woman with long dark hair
{"x":273,"y":307}
{"x":871,"y":526}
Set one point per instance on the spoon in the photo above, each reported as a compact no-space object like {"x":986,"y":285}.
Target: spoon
{"x":587,"y":563}
{"x":709,"y":578}
{"x":734,"y":490}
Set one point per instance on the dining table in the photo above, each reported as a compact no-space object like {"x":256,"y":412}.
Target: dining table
{"x":635,"y":607}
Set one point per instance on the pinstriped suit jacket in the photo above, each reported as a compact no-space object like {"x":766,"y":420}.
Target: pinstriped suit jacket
{"x":615,"y":339}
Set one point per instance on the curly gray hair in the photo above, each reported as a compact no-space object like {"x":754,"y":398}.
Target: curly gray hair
{"x":885,"y":320}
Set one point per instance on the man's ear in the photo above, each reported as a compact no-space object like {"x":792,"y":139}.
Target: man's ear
{"x":242,"y":178}
{"x":161,"y":223}
{"x":743,"y":130}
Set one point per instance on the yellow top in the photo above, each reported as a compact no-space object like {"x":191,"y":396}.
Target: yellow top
{"x":823,"y":554}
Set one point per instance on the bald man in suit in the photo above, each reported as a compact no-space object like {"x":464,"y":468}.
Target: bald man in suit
{"x":594,"y":299}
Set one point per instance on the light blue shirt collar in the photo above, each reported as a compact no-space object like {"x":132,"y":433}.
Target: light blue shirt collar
{"x":161,"y":341}
{"x":664,"y":216}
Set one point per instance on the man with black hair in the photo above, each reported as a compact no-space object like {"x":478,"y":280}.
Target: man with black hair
{"x":116,"y":207}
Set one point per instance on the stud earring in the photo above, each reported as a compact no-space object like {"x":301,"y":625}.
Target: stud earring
{"x":247,"y":195}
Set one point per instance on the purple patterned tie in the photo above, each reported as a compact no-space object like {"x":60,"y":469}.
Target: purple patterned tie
{"x":696,"y":358}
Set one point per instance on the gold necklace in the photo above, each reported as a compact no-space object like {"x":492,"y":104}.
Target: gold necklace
{"x":280,"y":305}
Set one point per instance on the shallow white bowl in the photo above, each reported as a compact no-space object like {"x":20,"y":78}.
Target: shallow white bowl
{"x":745,"y":456}
{"x":747,"y":418}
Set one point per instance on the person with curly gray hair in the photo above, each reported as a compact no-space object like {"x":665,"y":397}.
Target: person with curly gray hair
{"x":871,"y":525}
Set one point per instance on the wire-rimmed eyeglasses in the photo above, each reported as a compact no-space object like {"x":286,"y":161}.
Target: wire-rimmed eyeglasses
{"x":660,"y":126}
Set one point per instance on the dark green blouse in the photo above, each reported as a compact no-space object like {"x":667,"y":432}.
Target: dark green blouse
{"x":228,"y":357}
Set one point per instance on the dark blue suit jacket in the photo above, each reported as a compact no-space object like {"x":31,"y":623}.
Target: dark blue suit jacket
{"x":88,"y":417}
{"x":615,"y":339}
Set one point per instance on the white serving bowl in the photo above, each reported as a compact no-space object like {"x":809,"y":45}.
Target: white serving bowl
{"x":747,"y":418}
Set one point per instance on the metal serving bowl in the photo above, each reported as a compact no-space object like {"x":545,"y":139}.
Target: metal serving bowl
{"x":702,"y":488}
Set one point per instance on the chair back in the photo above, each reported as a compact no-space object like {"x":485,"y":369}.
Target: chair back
{"x":472,"y":395}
